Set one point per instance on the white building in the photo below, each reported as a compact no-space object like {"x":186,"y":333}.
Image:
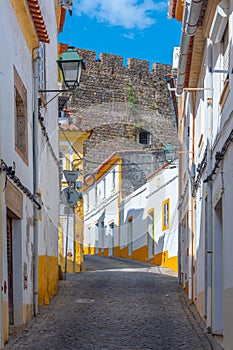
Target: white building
{"x":204,"y":99}
{"x":29,"y":176}
{"x":142,"y":226}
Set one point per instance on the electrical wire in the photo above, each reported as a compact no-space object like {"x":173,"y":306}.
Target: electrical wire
{"x":63,"y":132}
{"x":107,"y":163}
{"x":10,"y":172}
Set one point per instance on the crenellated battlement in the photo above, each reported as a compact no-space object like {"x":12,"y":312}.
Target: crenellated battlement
{"x":106,"y":60}
{"x":106,"y":79}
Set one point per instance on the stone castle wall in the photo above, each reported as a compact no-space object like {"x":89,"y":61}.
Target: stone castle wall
{"x":116,"y":102}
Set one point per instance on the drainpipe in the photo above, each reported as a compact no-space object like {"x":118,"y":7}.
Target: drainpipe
{"x":192,"y":199}
{"x":209,"y":248}
{"x":35,"y":183}
{"x":190,"y":20}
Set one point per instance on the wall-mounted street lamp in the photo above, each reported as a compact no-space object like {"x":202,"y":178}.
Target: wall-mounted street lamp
{"x":71,"y":66}
{"x":169,"y":153}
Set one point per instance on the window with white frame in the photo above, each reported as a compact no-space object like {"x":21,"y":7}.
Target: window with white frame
{"x":21,"y":120}
{"x":225,"y":54}
{"x":219,"y":33}
{"x":165,"y":214}
{"x":88,"y":202}
{"x":104,"y":184}
{"x":62,"y":164}
{"x":96,"y":194}
{"x":114,"y":179}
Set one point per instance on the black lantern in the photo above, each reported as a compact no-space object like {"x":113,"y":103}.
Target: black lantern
{"x":71,"y":66}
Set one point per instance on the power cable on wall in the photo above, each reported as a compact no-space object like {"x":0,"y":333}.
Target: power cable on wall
{"x":64,"y":134}
{"x":44,"y":132}
{"x":107,"y":163}
{"x":10,"y":172}
{"x":219,"y":157}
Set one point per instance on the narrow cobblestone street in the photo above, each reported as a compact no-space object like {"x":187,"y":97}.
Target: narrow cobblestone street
{"x":116,"y":304}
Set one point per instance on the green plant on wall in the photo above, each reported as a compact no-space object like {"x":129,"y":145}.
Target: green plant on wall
{"x":131,"y":97}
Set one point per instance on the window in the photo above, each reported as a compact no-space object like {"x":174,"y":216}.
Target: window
{"x":144,"y":137}
{"x":111,"y":239}
{"x":151,"y":233}
{"x":219,"y":33}
{"x":96,"y":194}
{"x":165,"y":214}
{"x":114,"y":179}
{"x":225,"y":54}
{"x":130,"y":235}
{"x":21,"y":127}
{"x":104,"y":183}
{"x":62,"y":164}
{"x":88,"y":203}
{"x":102,"y":235}
{"x":225,"y":67}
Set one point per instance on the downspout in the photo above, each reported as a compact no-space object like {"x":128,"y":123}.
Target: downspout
{"x":209,"y":248}
{"x":180,"y":228}
{"x":193,"y":198}
{"x":35,"y":182}
{"x":119,"y":205}
{"x":190,"y":20}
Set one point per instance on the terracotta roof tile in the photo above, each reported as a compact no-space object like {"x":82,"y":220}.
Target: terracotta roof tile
{"x":38,"y":20}
{"x":62,"y":19}
{"x":62,"y":48}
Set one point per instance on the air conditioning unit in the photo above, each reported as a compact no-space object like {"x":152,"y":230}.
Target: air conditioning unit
{"x":219,"y":22}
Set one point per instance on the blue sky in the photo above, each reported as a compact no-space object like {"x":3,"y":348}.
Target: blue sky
{"x":129,"y":28}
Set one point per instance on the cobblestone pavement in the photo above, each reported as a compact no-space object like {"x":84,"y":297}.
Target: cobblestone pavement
{"x":116,"y":304}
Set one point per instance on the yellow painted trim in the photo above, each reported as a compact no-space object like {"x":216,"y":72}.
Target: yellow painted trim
{"x":166,"y":202}
{"x":103,"y":253}
{"x":73,"y":136}
{"x":26,"y":23}
{"x":89,"y":250}
{"x":47,"y":277}
{"x":140,"y":254}
{"x":149,"y":212}
{"x":152,"y":210}
{"x":123,"y":253}
{"x":92,"y":250}
{"x":103,"y":169}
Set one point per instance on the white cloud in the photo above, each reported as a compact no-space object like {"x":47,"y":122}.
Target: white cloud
{"x":129,"y":35}
{"x":126,"y":13}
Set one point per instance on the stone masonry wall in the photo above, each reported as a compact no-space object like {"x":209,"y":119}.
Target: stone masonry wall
{"x":117,"y":102}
